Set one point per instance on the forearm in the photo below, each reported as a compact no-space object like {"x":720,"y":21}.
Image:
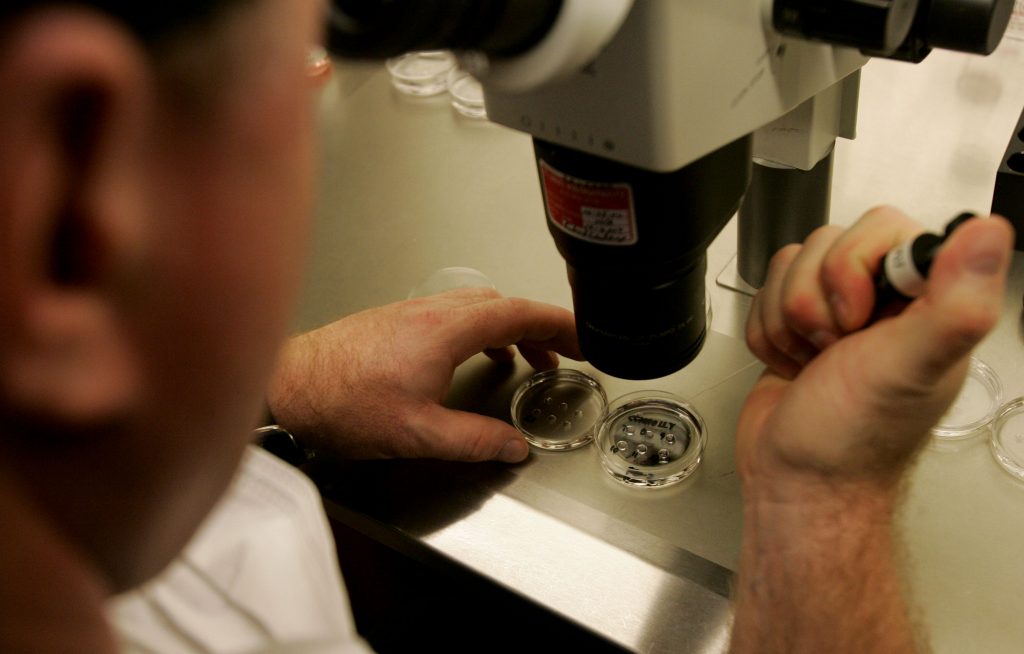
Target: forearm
{"x":821,"y":576}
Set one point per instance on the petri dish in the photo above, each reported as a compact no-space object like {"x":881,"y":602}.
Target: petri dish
{"x":975,"y":406}
{"x":449,"y":279}
{"x":558,"y":409}
{"x":1007,"y":440}
{"x":466,"y":93}
{"x":651,"y":439}
{"x":421,"y":73}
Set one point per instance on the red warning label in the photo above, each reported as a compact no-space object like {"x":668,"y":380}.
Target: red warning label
{"x":598,"y":212}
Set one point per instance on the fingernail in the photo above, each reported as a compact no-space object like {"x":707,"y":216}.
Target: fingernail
{"x":514,"y":451}
{"x":840,"y":308}
{"x":822,"y":339}
{"x":985,"y":254}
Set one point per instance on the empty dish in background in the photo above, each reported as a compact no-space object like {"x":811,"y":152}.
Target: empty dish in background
{"x":421,"y":73}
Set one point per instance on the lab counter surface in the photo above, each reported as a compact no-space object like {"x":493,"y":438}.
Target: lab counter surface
{"x":408,"y":187}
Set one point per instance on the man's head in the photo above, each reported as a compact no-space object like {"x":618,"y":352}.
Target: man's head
{"x":154,"y":181}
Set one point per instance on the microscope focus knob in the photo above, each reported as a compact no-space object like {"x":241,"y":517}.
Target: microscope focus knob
{"x":966,"y":25}
{"x":873,"y":25}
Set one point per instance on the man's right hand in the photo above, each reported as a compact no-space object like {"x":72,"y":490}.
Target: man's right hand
{"x":828,"y":431}
{"x":845,"y":398}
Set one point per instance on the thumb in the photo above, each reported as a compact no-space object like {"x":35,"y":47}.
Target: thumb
{"x":462,"y":436}
{"x":962,"y":301}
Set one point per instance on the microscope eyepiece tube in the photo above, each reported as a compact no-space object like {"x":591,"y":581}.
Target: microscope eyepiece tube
{"x":374,"y":29}
{"x":634,"y":242}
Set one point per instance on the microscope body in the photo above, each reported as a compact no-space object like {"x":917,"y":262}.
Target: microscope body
{"x":647,"y":116}
{"x":678,"y":80}
{"x":644,"y":155}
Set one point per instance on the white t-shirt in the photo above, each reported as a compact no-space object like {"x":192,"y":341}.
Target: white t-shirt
{"x":260,"y":575}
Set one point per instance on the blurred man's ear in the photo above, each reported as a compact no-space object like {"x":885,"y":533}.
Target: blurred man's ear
{"x":75,"y":97}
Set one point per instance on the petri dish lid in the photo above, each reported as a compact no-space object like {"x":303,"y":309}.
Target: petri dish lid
{"x":421,"y":73}
{"x":1007,"y":441}
{"x":975,"y":406}
{"x":651,"y":439}
{"x":449,"y":279}
{"x":558,"y":409}
{"x":467,"y":94}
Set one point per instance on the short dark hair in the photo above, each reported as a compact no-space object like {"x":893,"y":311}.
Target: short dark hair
{"x":148,"y":20}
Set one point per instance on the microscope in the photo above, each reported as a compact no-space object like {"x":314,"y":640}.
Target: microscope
{"x":655,"y":121}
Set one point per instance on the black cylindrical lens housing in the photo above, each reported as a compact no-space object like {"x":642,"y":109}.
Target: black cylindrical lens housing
{"x":635,"y":243}
{"x":637,"y":329}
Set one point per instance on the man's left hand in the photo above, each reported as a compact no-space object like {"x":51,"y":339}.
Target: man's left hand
{"x":370,"y":385}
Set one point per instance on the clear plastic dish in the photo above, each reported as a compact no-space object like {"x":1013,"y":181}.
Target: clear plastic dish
{"x":467,"y":94}
{"x":1007,"y":441}
{"x":975,"y":406}
{"x":651,"y":438}
{"x":449,"y":279}
{"x":559,"y":409}
{"x":421,"y":73}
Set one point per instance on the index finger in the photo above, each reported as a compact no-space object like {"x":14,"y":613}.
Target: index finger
{"x":499,"y":322}
{"x":849,"y":267}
